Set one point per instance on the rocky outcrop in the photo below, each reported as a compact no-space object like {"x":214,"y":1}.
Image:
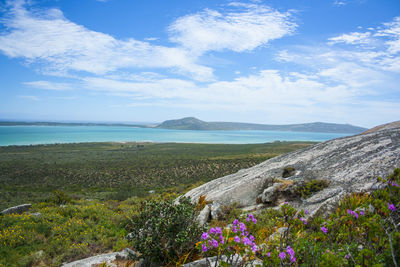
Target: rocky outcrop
{"x":106,"y":259}
{"x":348,"y":164}
{"x":17,"y":209}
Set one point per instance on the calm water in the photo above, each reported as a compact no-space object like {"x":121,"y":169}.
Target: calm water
{"x":27,"y":135}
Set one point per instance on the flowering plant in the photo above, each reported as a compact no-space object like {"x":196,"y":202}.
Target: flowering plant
{"x":230,"y":242}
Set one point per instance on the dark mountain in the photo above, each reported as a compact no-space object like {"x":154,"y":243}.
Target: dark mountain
{"x":191,"y":123}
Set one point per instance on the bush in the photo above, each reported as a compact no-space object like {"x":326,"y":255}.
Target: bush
{"x":164,"y":232}
{"x":311,"y":187}
{"x":59,"y":197}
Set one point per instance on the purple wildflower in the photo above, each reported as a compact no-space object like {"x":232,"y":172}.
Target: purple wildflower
{"x":254,"y":248}
{"x":221,"y":238}
{"x":285,"y":203}
{"x":214,"y":243}
{"x":247,"y":241}
{"x":236,"y":222}
{"x":242,"y":227}
{"x":236,"y":239}
{"x":255,"y":221}
{"x":251,"y":237}
{"x":292,"y":258}
{"x":204,"y":247}
{"x":290,"y":251}
{"x":362,"y":213}
{"x":269,"y":254}
{"x":282,"y":255}
{"x":204,"y":236}
{"x":355,"y":214}
{"x":347,"y":256}
{"x":324,"y":229}
{"x":306,"y":212}
{"x":392,"y":183}
{"x":234,"y":229}
{"x":303,"y":220}
{"x":349,"y":211}
{"x":392,"y":207}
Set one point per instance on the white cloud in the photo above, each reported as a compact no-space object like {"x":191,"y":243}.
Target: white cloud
{"x":339,"y":3}
{"x":63,"y":46}
{"x":30,"y":97}
{"x":254,"y":92}
{"x":391,"y":31}
{"x":352,"y":38}
{"x":242,"y":28}
{"x":46,"y":85}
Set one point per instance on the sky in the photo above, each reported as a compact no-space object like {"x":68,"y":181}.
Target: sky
{"x":258,"y":61}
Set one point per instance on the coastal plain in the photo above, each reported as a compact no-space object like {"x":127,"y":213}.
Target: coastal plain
{"x":121,"y":170}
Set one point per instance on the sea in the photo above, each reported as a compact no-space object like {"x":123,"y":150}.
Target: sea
{"x":34,"y":135}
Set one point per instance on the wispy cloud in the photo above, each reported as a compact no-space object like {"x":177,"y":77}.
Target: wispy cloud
{"x":59,"y":46}
{"x":352,"y":38}
{"x":212,"y":30}
{"x":339,"y":3}
{"x":46,"y":85}
{"x":30,"y":97}
{"x":48,"y":38}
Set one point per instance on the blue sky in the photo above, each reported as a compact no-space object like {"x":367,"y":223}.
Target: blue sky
{"x":273,"y":62}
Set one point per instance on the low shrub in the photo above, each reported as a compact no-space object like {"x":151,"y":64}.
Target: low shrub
{"x":165,"y":232}
{"x":310,"y":187}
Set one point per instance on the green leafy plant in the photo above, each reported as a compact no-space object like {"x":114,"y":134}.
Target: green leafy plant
{"x":165,"y":232}
{"x":310,"y":187}
{"x":60,"y":197}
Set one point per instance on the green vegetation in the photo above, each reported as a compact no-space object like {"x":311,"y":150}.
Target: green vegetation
{"x":310,"y":187}
{"x":121,"y":170}
{"x":363,"y":231}
{"x":164,"y":232}
{"x":63,"y":233}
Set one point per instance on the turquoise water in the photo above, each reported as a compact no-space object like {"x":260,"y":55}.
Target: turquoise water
{"x":30,"y":135}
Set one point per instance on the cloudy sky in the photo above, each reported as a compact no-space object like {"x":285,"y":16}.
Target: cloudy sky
{"x":264,"y":61}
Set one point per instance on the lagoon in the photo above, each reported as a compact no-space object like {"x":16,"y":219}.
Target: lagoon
{"x":33,"y":135}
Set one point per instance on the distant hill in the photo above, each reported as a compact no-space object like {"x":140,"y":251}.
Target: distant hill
{"x":191,"y":123}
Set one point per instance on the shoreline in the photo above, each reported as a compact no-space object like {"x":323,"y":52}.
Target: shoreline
{"x":154,"y":142}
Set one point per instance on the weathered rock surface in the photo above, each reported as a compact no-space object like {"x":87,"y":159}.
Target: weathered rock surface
{"x":103,"y":258}
{"x":17,"y":209}
{"x":348,"y":164}
{"x":236,"y":260}
{"x":204,"y":215}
